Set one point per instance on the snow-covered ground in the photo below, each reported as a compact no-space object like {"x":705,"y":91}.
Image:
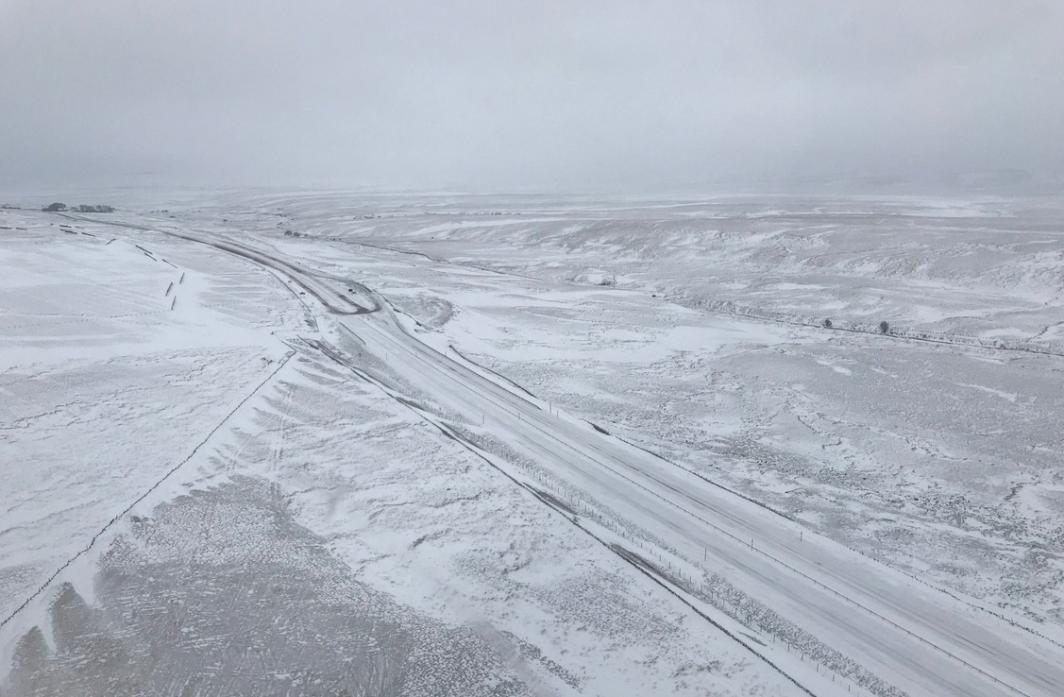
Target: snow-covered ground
{"x":312,"y":442}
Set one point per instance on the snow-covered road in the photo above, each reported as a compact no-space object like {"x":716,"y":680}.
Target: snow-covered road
{"x":917,"y":639}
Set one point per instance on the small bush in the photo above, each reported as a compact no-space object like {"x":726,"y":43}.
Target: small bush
{"x":827,"y":323}
{"x":884,"y":327}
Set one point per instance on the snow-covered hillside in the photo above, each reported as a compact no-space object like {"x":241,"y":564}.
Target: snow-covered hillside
{"x":309,"y":443}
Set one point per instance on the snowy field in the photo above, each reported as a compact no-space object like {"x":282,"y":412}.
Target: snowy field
{"x":327,"y":444}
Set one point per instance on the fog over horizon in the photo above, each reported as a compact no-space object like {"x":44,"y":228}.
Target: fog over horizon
{"x":547,"y":96}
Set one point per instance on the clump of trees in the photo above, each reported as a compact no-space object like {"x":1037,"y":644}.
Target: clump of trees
{"x":884,"y":327}
{"x":59,"y":207}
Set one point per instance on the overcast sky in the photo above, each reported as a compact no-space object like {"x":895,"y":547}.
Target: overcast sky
{"x":496,"y":95}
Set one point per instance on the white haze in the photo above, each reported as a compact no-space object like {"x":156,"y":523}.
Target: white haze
{"x":488,"y":95}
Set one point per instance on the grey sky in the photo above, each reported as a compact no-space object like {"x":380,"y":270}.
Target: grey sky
{"x":500,"y":95}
